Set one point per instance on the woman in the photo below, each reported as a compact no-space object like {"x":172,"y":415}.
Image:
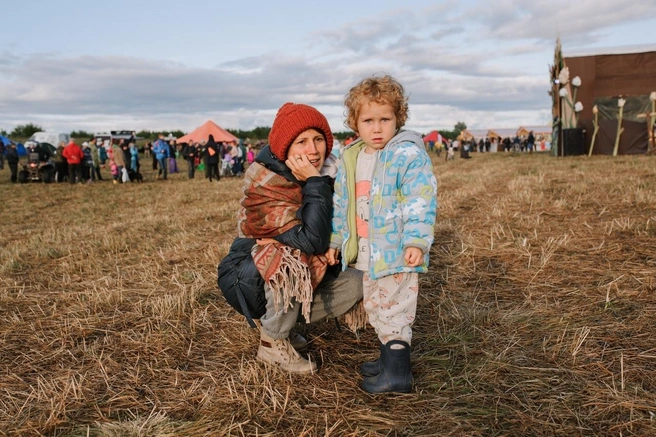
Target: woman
{"x":285,"y":222}
{"x":212,"y":162}
{"x":119,"y":157}
{"x":134,"y":157}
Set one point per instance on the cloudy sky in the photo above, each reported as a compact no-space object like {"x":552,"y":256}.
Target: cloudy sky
{"x":158,"y":65}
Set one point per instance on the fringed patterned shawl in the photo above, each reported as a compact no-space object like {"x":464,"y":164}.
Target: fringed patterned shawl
{"x":269,"y":208}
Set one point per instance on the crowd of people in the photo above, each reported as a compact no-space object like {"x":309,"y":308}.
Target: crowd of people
{"x":87,"y":162}
{"x":517,"y":144}
{"x":216,"y":159}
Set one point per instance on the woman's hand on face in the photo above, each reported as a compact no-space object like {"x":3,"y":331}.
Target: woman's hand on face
{"x":301,"y":167}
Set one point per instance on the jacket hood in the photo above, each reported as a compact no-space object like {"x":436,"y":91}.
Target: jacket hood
{"x":408,"y":136}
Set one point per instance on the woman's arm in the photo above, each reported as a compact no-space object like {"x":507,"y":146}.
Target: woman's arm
{"x":313,"y":234}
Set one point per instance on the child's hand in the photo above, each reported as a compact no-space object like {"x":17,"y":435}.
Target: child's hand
{"x":414,"y":256}
{"x":331,"y":254}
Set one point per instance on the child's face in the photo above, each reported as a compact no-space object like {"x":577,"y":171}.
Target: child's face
{"x":376,"y":124}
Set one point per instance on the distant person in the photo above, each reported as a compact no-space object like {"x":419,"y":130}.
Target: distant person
{"x":103,"y":151}
{"x":464,"y":150}
{"x":2,"y":154}
{"x":189,"y":155}
{"x":161,"y":151}
{"x":87,"y":163}
{"x":96,"y":147}
{"x":150,"y":146}
{"x":227,"y":162}
{"x":250,"y":155}
{"x":213,"y":152}
{"x":12,"y":161}
{"x":134,"y":157}
{"x":385,"y":205}
{"x":450,"y":153}
{"x":127,"y":156}
{"x":147,"y":150}
{"x":530,"y":142}
{"x":506,"y":144}
{"x":114,"y":171}
{"x":173,"y":164}
{"x":74,"y":157}
{"x":119,"y":158}
{"x":61,"y":165}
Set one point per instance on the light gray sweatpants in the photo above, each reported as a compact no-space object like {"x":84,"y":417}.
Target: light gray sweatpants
{"x":391,"y":305}
{"x":332,"y":298}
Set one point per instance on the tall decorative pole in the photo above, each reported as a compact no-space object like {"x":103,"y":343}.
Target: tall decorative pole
{"x":576,"y":83}
{"x":652,"y":97}
{"x":595,"y":122}
{"x":620,"y":129}
{"x":567,"y":121}
{"x":578,"y":107}
{"x":556,"y":110}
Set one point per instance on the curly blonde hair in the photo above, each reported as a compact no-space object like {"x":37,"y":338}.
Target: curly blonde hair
{"x":382,"y":90}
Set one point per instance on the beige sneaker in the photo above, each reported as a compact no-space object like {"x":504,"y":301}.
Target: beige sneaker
{"x":281,"y":353}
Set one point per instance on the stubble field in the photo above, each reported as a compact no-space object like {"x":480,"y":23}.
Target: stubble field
{"x":536,"y":318}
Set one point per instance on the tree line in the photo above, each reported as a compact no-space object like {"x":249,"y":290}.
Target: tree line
{"x":259,"y":133}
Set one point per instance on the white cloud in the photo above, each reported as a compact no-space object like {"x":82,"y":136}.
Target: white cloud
{"x":582,"y":19}
{"x":479,"y":62}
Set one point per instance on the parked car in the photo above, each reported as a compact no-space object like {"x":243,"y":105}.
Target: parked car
{"x":52,"y":138}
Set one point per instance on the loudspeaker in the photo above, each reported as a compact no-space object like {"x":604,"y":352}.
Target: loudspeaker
{"x":573,"y":142}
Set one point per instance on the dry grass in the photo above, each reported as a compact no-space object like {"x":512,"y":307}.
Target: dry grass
{"x":536,"y":318}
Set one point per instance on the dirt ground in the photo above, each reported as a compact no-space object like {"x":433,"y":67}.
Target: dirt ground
{"x":536,"y":317}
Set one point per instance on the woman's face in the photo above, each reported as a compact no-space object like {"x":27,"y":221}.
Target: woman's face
{"x":311,"y":143}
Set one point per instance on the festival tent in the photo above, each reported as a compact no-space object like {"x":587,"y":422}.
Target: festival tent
{"x":434,"y":136}
{"x":20,"y":149}
{"x":465,"y":135}
{"x":602,"y":79}
{"x":203,"y":132}
{"x":492,"y":134}
{"x":522,"y":132}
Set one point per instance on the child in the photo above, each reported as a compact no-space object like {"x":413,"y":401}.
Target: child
{"x":385,"y":205}
{"x":114,"y":170}
{"x":450,"y":154}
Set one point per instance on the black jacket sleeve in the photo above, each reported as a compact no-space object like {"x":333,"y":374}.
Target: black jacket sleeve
{"x":312,"y":236}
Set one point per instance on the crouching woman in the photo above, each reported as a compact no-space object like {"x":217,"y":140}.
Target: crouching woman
{"x":276,"y":269}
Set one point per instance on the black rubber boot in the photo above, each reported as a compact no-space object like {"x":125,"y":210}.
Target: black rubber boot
{"x":372,"y":368}
{"x":395,"y":371}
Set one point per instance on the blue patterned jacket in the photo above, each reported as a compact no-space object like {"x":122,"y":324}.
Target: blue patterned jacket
{"x":402,"y":205}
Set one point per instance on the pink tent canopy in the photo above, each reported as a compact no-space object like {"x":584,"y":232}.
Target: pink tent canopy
{"x":203,"y":132}
{"x":434,"y":136}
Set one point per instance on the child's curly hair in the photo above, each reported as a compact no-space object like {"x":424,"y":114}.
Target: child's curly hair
{"x":382,"y":90}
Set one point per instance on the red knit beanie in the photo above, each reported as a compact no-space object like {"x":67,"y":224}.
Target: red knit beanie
{"x":293,"y":119}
